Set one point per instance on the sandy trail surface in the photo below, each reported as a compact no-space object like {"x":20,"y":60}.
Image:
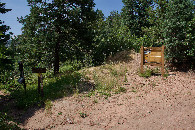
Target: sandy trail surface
{"x":149,"y":104}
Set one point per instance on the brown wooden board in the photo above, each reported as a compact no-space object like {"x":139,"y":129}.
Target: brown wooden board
{"x":38,"y":70}
{"x":153,"y":48}
{"x":153,"y":64}
{"x":153,"y":56}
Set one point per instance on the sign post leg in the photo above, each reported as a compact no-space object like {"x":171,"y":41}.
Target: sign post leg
{"x":24,"y":86}
{"x":142,"y":59}
{"x":39,"y":81}
{"x":163,"y":62}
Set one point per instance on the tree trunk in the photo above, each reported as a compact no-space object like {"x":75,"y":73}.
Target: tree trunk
{"x":57,"y":60}
{"x":57,"y":47}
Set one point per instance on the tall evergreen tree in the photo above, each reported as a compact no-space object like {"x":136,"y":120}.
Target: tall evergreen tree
{"x":173,"y":25}
{"x":136,"y":15}
{"x":57,"y":27}
{"x":4,"y":52}
{"x":3,"y":29}
{"x":154,"y":33}
{"x":113,"y":36}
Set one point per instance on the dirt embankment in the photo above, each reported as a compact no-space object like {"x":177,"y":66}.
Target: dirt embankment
{"x":149,"y":103}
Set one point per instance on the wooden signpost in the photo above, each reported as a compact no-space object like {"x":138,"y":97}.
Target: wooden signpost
{"x":152,"y":56}
{"x":40,"y":80}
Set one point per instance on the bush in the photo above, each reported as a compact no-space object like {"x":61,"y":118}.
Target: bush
{"x":178,"y":30}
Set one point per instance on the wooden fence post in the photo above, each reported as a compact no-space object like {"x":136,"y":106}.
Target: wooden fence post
{"x":39,"y":82}
{"x":142,"y":59}
{"x":41,"y":79}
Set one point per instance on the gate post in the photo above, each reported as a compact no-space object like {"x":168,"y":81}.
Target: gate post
{"x":142,"y":59}
{"x":162,"y":60}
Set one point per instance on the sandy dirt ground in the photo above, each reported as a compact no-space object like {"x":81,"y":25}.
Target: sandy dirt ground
{"x":149,"y":104}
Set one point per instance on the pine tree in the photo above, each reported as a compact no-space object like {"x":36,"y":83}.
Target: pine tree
{"x":136,"y":15}
{"x":57,"y":29}
{"x":3,"y":36}
{"x":5,"y":63}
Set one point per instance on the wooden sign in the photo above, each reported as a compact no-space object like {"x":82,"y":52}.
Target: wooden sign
{"x":38,"y":70}
{"x":152,"y":56}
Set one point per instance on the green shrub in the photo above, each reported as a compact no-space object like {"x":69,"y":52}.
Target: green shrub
{"x":5,"y":123}
{"x":147,"y":73}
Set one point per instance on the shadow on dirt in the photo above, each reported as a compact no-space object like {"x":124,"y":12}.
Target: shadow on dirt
{"x":21,"y":107}
{"x":182,"y":66}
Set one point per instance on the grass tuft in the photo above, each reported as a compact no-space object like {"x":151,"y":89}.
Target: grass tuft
{"x":83,"y":115}
{"x":6,"y":123}
{"x":48,"y":105}
{"x":107,"y":79}
{"x":147,"y":73}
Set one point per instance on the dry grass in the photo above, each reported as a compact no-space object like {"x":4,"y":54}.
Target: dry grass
{"x":110,"y":77}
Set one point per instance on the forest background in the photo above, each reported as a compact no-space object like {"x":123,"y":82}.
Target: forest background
{"x":68,"y":31}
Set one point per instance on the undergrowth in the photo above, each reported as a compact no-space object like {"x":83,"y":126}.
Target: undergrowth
{"x":54,"y":88}
{"x":108,"y":79}
{"x":6,"y":123}
{"x":148,"y":72}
